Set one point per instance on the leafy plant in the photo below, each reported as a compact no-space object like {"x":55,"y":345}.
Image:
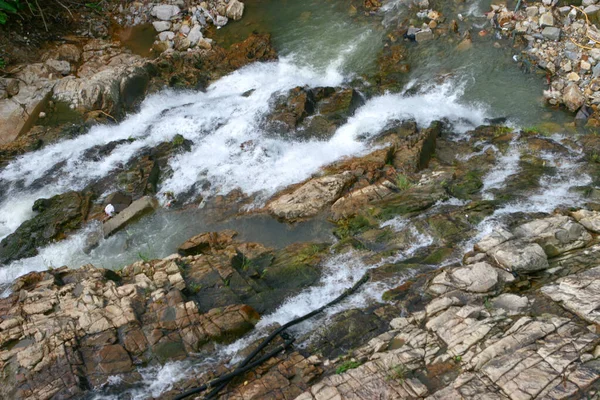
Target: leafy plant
{"x":94,"y":6}
{"x":2,"y":63}
{"x":8,"y":7}
{"x":457,"y":359}
{"x":347,"y":365}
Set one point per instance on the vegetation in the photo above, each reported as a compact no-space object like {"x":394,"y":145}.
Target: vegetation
{"x":43,"y":8}
{"x":398,"y":373}
{"x":352,"y":226}
{"x":347,"y":365}
{"x":402,"y":182}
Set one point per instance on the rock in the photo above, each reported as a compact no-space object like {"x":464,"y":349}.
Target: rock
{"x":424,"y":35}
{"x":520,"y":256}
{"x":110,"y":80}
{"x":136,"y":210}
{"x":531,"y":11}
{"x":57,"y":217}
{"x":596,"y":70}
{"x":235,"y":10}
{"x":478,"y":278}
{"x":163,"y":36}
{"x":195,"y":35}
{"x":119,"y":201}
{"x":161,"y":26}
{"x":573,"y":77}
{"x":165,"y":12}
{"x":205,"y":242}
{"x":512,"y":303}
{"x":69,"y":52}
{"x":310,"y":198}
{"x":496,"y":238}
{"x":556,"y":235}
{"x":546,"y":19}
{"x":551,"y":33}
{"x":578,"y":293}
{"x":573,"y":97}
{"x":20,"y":111}
{"x":589,"y":219}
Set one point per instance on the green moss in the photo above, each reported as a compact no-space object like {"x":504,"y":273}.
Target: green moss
{"x":178,"y":140}
{"x":352,"y":226}
{"x":346,"y":366}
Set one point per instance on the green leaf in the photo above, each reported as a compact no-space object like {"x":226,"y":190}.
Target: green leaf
{"x":2,"y":18}
{"x":8,"y":7}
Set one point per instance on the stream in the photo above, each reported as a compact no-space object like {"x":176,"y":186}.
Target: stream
{"x":320,"y":44}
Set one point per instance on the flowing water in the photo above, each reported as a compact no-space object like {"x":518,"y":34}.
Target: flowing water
{"x":321,"y":44}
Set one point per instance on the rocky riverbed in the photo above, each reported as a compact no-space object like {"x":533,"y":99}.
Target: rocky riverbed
{"x":478,"y":237}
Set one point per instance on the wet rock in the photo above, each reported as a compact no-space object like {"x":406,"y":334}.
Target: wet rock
{"x":424,"y":35}
{"x":56,"y":218}
{"x":136,"y":210}
{"x":310,"y":198}
{"x":119,"y":201}
{"x":206,"y":241}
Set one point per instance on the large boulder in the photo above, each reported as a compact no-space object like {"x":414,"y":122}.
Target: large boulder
{"x":520,"y":256}
{"x":556,"y":234}
{"x":24,"y":99}
{"x":57,"y":217}
{"x":310,"y":198}
{"x":111,"y":79}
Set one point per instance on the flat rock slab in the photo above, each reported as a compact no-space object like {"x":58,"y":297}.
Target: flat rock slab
{"x":578,"y":293}
{"x":136,"y":210}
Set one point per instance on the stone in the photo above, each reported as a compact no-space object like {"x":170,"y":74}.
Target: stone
{"x":195,"y":35}
{"x":531,"y":11}
{"x":579,"y":293}
{"x":235,"y":10}
{"x":165,"y":12}
{"x":551,"y":33}
{"x":573,"y":76}
{"x":69,"y":52}
{"x":556,"y":235}
{"x":573,"y":97}
{"x":119,"y":201}
{"x":546,"y":19}
{"x":584,"y":65}
{"x":56,"y":217}
{"x":163,"y":36}
{"x":478,"y":278}
{"x":310,"y":198}
{"x":136,"y":210}
{"x":497,"y":237}
{"x":589,"y":219}
{"x":520,"y":256}
{"x":205,"y":242}
{"x":161,"y":26}
{"x":424,"y":35}
{"x":510,"y":302}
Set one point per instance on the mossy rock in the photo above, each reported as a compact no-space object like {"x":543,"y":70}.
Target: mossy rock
{"x":466,"y":185}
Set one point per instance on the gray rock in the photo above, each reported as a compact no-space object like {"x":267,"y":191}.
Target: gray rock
{"x":556,"y":235}
{"x":235,"y":10}
{"x":195,"y":35}
{"x":60,"y":67}
{"x":221,"y":20}
{"x":547,"y":19}
{"x":589,"y":219}
{"x":596,"y":70}
{"x":168,"y":35}
{"x":551,"y":33}
{"x":590,"y":10}
{"x":165,"y":12}
{"x":161,"y":26}
{"x":478,"y":278}
{"x":578,"y":293}
{"x":424,"y":35}
{"x":520,"y":256}
{"x":136,"y":210}
{"x":510,"y":302}
{"x":494,"y":239}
